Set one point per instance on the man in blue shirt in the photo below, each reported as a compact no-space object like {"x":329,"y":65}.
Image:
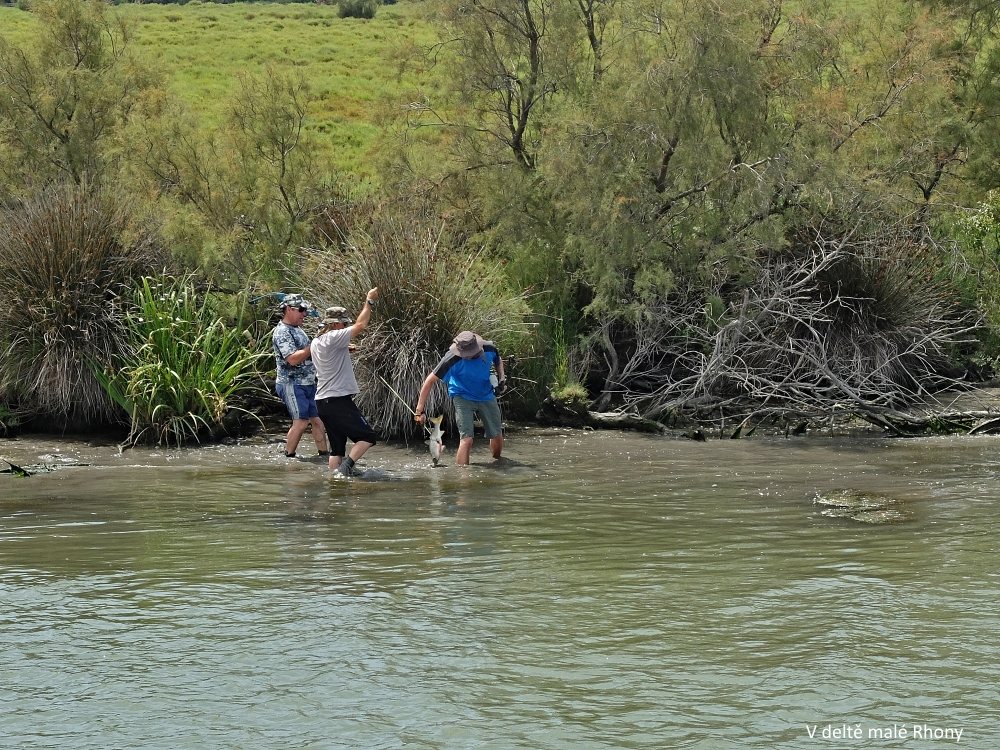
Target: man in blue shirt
{"x":467,"y":367}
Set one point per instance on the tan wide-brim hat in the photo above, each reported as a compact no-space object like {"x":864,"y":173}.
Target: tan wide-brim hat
{"x":467,"y":345}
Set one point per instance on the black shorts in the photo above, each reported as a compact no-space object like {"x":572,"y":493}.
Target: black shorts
{"x":343,"y":420}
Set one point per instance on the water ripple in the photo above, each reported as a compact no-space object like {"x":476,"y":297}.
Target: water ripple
{"x":603,"y":591}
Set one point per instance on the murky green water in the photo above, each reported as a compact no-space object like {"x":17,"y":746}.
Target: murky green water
{"x":603,"y":591}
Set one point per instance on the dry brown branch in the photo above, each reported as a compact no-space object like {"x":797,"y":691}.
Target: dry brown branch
{"x":850,"y":323}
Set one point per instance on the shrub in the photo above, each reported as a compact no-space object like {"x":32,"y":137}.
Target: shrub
{"x":186,"y":364}
{"x":977,"y":233}
{"x":66,"y":257}
{"x":429,"y":292}
{"x":9,"y":421}
{"x":357,"y":8}
{"x":848,"y":317}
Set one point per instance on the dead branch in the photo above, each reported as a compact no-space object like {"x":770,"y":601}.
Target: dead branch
{"x":849,"y":324}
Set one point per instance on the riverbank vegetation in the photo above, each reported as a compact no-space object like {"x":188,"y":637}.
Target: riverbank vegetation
{"x":190,"y":360}
{"x":706,"y":213}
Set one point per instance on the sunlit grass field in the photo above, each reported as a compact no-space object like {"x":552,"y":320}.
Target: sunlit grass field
{"x":352,"y":65}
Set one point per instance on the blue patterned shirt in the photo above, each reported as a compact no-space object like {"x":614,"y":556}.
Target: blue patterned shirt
{"x":286,"y":340}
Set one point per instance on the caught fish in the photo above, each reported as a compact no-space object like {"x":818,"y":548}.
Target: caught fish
{"x":434,"y":437}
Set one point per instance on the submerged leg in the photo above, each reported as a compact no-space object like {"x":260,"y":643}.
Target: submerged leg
{"x":464,"y":449}
{"x":496,"y":446}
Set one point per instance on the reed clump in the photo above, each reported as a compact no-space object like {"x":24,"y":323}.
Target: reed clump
{"x":67,"y":257}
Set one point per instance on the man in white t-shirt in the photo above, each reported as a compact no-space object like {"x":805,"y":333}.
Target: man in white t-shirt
{"x":336,"y":385}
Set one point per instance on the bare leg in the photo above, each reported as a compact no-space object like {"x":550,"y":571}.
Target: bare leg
{"x":295,"y":434}
{"x":496,"y":446}
{"x":464,"y":449}
{"x":319,"y":434}
{"x":359,"y":450}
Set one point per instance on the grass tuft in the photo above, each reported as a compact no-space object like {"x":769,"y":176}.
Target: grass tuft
{"x":429,"y":292}
{"x":67,"y":256}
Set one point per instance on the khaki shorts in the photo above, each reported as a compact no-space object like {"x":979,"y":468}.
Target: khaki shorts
{"x":489,"y":412}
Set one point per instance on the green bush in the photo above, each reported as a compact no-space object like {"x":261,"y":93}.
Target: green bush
{"x":977,"y":234}
{"x":187,"y":363}
{"x":67,"y":256}
{"x":357,"y":8}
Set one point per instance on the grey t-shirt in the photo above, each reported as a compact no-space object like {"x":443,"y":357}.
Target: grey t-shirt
{"x":334,"y":369}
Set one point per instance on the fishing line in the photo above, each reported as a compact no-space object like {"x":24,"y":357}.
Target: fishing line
{"x":396,"y":394}
{"x":402,"y":400}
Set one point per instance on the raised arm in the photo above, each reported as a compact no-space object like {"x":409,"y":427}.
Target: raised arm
{"x":361,"y":322}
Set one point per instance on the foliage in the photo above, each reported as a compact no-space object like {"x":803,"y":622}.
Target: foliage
{"x":67,"y":256}
{"x":507,"y":71}
{"x":247,"y":191}
{"x":357,"y":8}
{"x":186,"y":364}
{"x":277,"y":156}
{"x":430,"y":291}
{"x":977,"y":233}
{"x":66,"y":96}
{"x":668,"y":162}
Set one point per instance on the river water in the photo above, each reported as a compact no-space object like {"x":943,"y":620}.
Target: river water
{"x":598,"y":590}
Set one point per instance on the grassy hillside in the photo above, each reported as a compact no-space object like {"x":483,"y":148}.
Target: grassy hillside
{"x":351,"y":64}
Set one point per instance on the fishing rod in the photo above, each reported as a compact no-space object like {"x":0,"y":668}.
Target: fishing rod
{"x":396,"y":394}
{"x":403,"y":401}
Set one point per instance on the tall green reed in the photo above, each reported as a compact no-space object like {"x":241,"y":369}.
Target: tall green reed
{"x":188,"y":364}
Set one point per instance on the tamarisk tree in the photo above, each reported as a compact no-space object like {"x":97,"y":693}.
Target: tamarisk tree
{"x":63,"y":102}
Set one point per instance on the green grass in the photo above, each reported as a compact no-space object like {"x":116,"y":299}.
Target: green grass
{"x":351,"y":64}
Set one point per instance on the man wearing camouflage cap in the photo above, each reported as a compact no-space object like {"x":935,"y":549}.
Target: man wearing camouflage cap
{"x":337,"y":385}
{"x":295,"y":382}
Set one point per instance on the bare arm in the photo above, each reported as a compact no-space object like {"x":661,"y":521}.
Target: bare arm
{"x":299,"y":356}
{"x":361,"y":322}
{"x":425,"y":391}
